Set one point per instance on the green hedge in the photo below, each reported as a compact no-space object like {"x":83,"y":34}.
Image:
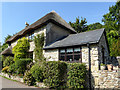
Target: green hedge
{"x":29,"y":79}
{"x":21,"y":64}
{"x":12,"y":69}
{"x":76,"y":75}
{"x":8,"y":61}
{"x":54,"y":72}
{"x":37,"y":72}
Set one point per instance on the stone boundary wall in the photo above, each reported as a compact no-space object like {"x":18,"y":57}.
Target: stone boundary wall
{"x":109,"y":79}
{"x":17,"y":78}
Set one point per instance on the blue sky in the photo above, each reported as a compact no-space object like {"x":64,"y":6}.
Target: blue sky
{"x":15,"y":14}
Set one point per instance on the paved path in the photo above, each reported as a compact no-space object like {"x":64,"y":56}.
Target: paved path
{"x":12,"y":84}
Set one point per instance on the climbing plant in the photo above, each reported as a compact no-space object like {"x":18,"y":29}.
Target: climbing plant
{"x":21,"y":48}
{"x":39,"y":42}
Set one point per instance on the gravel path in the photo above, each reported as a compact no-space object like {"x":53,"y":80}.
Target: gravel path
{"x":12,"y":84}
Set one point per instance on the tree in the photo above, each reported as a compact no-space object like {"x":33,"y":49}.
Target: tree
{"x":112,"y":19}
{"x":79,"y":26}
{"x":95,"y":26}
{"x":5,"y":45}
{"x":39,"y":42}
{"x":115,"y":48}
{"x":112,"y":26}
{"x":21,"y":48}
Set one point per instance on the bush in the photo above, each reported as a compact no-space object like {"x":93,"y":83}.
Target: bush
{"x":21,"y":48}
{"x":29,"y":79}
{"x":8,"y":61}
{"x":21,"y":65}
{"x":37,"y":72}
{"x":76,"y":75}
{"x":54,"y":72}
{"x":12,"y":69}
{"x":5,"y":69}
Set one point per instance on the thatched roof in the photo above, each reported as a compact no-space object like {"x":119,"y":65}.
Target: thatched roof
{"x":7,"y":51}
{"x":50,"y":17}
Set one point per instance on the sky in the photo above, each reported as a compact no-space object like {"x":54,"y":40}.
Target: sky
{"x":15,"y":14}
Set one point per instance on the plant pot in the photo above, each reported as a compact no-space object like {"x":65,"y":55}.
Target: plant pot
{"x":110,"y":67}
{"x":102,"y":67}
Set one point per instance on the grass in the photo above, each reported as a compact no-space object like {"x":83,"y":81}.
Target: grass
{"x":9,"y":78}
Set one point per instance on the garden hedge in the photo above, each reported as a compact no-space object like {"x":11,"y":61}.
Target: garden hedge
{"x":8,"y":61}
{"x":76,"y":75}
{"x":21,"y":64}
{"x":54,"y":72}
{"x":37,"y":72}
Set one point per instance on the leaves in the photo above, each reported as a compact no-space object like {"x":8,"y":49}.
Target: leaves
{"x":39,"y":42}
{"x":21,"y":48}
{"x":79,"y":26}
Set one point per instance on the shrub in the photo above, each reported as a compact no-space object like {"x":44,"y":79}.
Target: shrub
{"x":37,"y":72}
{"x":76,"y":75}
{"x":54,"y":72}
{"x":21,"y":48}
{"x":5,"y":69}
{"x":39,"y":42}
{"x":8,"y":61}
{"x":12,"y":69}
{"x":21,"y":64}
{"x":29,"y":79}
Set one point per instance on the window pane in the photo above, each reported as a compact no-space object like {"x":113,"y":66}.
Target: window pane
{"x":62,"y":51}
{"x":69,"y":57}
{"x":69,"y":50}
{"x":77,"y":49}
{"x":76,"y":57}
{"x":62,"y":58}
{"x":32,"y":37}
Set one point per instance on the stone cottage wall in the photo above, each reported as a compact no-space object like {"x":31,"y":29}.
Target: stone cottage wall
{"x":94,"y":61}
{"x":51,"y":55}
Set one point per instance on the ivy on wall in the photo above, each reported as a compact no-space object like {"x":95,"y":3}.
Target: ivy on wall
{"x":21,"y":48}
{"x":39,"y":42}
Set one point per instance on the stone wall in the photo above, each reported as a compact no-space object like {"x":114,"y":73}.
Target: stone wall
{"x":109,"y":79}
{"x":94,"y":61}
{"x":51,"y":55}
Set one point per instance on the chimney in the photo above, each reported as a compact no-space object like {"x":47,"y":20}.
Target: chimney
{"x":26,"y":24}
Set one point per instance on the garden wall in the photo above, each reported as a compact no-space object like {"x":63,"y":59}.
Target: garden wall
{"x":109,"y":79}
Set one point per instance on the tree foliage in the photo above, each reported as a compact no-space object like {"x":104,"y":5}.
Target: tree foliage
{"x":79,"y":25}
{"x":5,"y":45}
{"x":95,"y":26}
{"x":21,"y":48}
{"x":112,"y":26}
{"x":112,"y":18}
{"x":39,"y":42}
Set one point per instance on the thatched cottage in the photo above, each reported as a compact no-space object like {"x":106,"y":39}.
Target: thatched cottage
{"x":62,"y":42}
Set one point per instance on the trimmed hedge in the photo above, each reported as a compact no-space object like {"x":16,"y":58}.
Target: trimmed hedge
{"x":21,"y":65}
{"x":37,"y":72}
{"x":76,"y":75}
{"x":54,"y":72}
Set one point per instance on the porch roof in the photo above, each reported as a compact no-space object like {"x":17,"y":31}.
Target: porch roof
{"x":7,"y":51}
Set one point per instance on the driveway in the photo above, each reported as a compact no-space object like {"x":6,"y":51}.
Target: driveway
{"x":5,"y":83}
